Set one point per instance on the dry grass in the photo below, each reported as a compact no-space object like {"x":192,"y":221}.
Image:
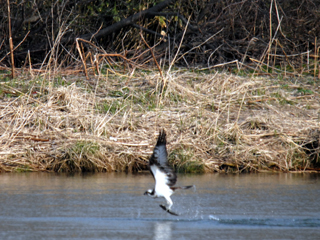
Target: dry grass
{"x":214,"y":122}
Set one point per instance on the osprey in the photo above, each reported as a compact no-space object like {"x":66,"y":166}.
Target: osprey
{"x":164,"y":176}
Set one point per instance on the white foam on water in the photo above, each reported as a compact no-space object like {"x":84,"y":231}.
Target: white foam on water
{"x":211,"y":217}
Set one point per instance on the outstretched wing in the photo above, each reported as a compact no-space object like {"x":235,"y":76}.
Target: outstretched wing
{"x":159,"y":159}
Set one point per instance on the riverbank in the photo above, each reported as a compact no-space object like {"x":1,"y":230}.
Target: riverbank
{"x":215,"y":122}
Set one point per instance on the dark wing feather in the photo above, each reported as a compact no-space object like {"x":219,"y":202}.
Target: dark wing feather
{"x":160,"y":159}
{"x":159,"y":155}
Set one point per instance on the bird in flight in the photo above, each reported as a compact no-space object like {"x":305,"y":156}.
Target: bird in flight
{"x":164,"y":176}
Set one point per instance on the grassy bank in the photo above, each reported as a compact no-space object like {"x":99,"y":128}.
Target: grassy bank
{"x":214,"y":122}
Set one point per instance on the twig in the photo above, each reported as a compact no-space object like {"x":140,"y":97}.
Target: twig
{"x":154,"y":58}
{"x":316,"y":57}
{"x":96,"y":32}
{"x":10,"y":41}
{"x":15,"y":46}
{"x":270,"y":33}
{"x":291,"y":55}
{"x":82,"y":58}
{"x":267,"y":51}
{"x":222,"y":64}
{"x":30,"y":64}
{"x":175,"y":56}
{"x":200,"y":43}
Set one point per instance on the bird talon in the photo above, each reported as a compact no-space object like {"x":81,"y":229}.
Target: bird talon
{"x":168,"y":210}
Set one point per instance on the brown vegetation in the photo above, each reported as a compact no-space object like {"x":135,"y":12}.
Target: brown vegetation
{"x":260,"y":113}
{"x":214,"y":122}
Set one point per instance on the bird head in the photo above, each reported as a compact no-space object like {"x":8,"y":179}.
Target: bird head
{"x":149,"y":192}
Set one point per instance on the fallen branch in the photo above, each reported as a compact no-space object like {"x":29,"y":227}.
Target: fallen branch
{"x":128,"y":21}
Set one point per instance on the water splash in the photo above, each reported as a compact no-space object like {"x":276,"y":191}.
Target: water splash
{"x":211,"y":217}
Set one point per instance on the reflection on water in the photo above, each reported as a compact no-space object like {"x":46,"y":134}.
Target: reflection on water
{"x":112,"y":206}
{"x":162,"y":230}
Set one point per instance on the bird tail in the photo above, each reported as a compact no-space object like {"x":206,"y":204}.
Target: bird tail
{"x":185,"y":187}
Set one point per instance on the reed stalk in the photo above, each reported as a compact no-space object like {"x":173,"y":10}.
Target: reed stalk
{"x":10,"y":41}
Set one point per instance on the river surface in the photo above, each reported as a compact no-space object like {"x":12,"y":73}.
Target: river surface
{"x":112,"y":206}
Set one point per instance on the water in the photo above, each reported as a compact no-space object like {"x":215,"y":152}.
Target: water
{"x":112,"y":206}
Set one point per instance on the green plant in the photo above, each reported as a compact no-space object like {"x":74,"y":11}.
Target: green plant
{"x":112,"y":107}
{"x":304,"y":91}
{"x":79,"y":158}
{"x":23,"y":168}
{"x":181,"y":160}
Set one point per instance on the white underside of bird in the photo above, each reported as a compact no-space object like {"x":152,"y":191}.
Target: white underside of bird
{"x":161,"y":187}
{"x":164,"y":176}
